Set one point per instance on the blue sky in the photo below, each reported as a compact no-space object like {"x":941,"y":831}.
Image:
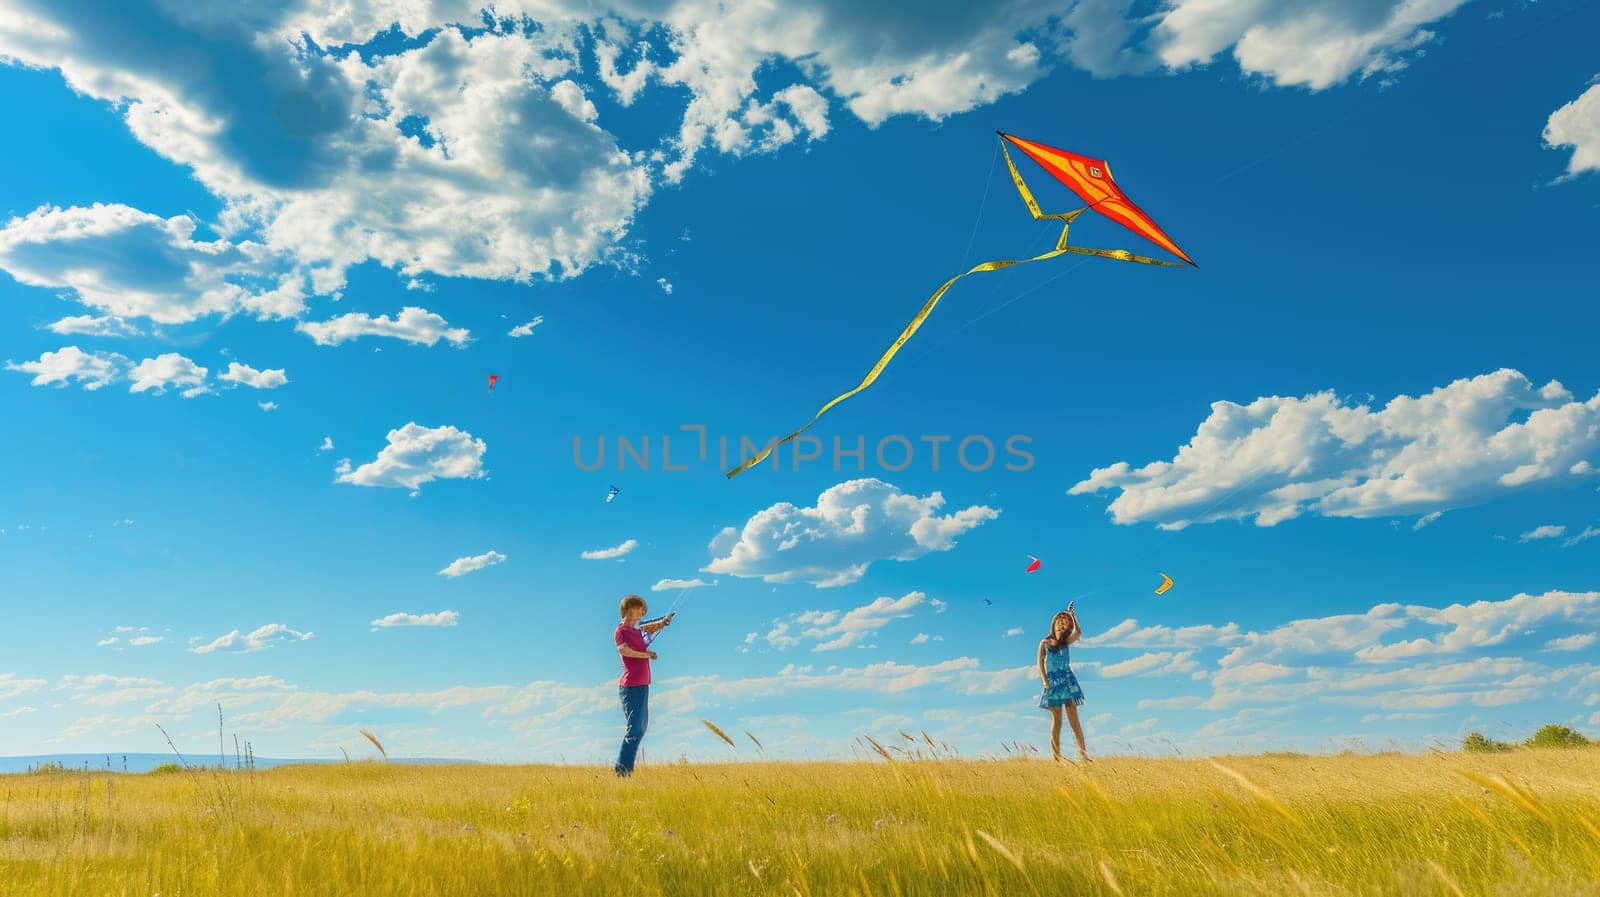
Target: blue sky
{"x":1363,"y":436}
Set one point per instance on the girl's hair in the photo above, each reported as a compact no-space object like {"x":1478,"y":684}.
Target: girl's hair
{"x":629,"y":602}
{"x":1051,"y":643}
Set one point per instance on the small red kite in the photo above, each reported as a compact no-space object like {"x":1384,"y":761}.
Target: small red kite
{"x":493,"y":379}
{"x":1034,"y":566}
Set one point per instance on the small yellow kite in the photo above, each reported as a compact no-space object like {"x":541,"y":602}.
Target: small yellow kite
{"x":1166,"y":583}
{"x":1091,"y":180}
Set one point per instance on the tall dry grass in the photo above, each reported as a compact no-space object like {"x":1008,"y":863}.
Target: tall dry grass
{"x":1439,"y":824}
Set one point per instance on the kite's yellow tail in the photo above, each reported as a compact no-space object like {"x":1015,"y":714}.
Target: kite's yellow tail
{"x":927,"y":307}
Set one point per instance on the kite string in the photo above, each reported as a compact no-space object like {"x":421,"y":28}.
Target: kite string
{"x":670,"y":610}
{"x":987,"y":182}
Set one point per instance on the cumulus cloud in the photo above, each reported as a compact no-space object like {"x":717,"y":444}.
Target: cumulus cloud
{"x":1589,"y":532}
{"x":438,"y":618}
{"x":155,"y":375}
{"x":1277,"y":458}
{"x":1486,"y":623}
{"x":259,"y":639}
{"x":1301,"y":43}
{"x":245,"y":375}
{"x":1547,"y":531}
{"x":463,"y":566}
{"x":413,"y":324}
{"x":1129,"y":634}
{"x":1159,"y":663}
{"x":665,"y":585}
{"x":610,"y":554}
{"x":1574,"y":642}
{"x":416,"y":455}
{"x":92,"y":370}
{"x":474,"y":147}
{"x":267,"y":406}
{"x":1577,"y":124}
{"x":1013,"y":632}
{"x":922,"y":638}
{"x":12,"y":685}
{"x":131,"y":264}
{"x":89,"y":325}
{"x":522,"y":330}
{"x":852,"y":525}
{"x":834,"y":629}
{"x":327,"y":444}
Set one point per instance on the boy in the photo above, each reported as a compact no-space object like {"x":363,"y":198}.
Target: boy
{"x":634,"y":686}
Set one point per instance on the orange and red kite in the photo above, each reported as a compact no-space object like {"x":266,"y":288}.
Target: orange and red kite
{"x":1090,"y":179}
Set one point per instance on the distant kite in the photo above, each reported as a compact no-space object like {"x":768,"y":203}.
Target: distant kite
{"x":1166,"y":583}
{"x":493,"y":379}
{"x":1034,"y":566}
{"x":1091,"y":180}
{"x":987,"y":601}
{"x":613,"y":493}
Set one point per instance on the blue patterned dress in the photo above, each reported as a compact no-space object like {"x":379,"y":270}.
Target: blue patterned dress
{"x":1063,"y":688}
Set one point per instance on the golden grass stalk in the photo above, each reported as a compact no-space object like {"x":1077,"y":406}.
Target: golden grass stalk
{"x":1111,"y":880}
{"x":1261,"y":793}
{"x":1444,"y":877}
{"x":878,"y":747}
{"x":1510,"y":792}
{"x":1001,"y":849}
{"x":756,"y":740}
{"x":375,"y":742}
{"x":720,"y":734}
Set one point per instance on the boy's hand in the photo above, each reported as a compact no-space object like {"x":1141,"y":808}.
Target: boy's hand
{"x":652,"y":654}
{"x":667,"y":620}
{"x":1070,"y":606}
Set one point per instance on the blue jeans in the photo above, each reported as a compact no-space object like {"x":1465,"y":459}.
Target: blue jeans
{"x":635,"y":713}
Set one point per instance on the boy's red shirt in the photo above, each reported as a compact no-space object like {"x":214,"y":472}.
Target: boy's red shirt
{"x":635,"y":670}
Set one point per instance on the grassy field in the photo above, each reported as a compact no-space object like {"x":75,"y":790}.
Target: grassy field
{"x":1520,"y":823}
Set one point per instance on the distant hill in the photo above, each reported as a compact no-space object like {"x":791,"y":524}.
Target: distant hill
{"x":147,"y":762}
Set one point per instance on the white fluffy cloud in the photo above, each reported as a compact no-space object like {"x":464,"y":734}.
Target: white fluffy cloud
{"x":834,"y":629}
{"x":1158,"y":663}
{"x":852,"y":525}
{"x":131,"y":264}
{"x":1487,"y":623}
{"x":438,"y":618}
{"x":463,"y":566}
{"x":665,"y":585}
{"x":259,"y":639}
{"x":1577,"y":124}
{"x":416,"y":455}
{"x":91,"y":369}
{"x":89,"y":325}
{"x":413,"y":324}
{"x":474,"y":148}
{"x":522,"y":330}
{"x":1277,"y":458}
{"x":13,"y":686}
{"x":1302,"y":43}
{"x":245,"y":375}
{"x":1589,"y":532}
{"x":610,"y":554}
{"x":154,"y":375}
{"x":1547,"y":531}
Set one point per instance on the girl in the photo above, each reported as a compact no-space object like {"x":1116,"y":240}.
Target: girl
{"x":1061,"y":689}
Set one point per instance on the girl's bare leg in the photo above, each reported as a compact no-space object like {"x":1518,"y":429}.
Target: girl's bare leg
{"x":1077,"y":731}
{"x":1055,"y":732}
